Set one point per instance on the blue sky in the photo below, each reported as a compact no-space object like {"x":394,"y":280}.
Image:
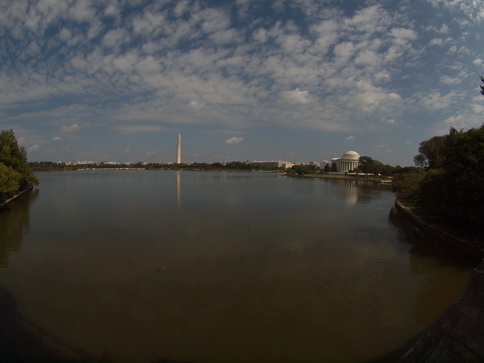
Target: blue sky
{"x":298,"y":80}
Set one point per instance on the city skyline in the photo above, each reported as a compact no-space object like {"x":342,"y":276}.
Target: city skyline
{"x":240,"y":79}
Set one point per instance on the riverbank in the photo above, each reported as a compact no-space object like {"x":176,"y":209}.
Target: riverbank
{"x":16,"y":196}
{"x":473,"y":246}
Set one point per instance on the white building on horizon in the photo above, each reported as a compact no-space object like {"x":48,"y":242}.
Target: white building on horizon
{"x":348,"y":162}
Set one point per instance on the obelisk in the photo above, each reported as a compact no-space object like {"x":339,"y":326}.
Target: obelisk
{"x":178,"y":150}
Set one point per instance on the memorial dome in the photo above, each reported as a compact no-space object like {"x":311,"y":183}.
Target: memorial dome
{"x":351,"y":155}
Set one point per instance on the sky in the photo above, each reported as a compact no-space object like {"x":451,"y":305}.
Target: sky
{"x":299,"y":80}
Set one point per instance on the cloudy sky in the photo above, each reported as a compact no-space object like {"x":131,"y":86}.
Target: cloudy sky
{"x":297,"y":80}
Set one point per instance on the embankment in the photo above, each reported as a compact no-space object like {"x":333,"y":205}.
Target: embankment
{"x":16,"y":196}
{"x":458,"y":336}
{"x":473,"y":246}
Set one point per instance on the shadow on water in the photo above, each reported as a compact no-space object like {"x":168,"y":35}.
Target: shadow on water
{"x":20,"y":339}
{"x":423,"y":246}
{"x":14,"y":221}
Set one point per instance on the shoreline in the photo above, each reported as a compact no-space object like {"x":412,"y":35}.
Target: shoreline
{"x":474,"y":247}
{"x":15,"y":197}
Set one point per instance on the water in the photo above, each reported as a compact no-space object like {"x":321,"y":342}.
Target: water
{"x":216,"y":266}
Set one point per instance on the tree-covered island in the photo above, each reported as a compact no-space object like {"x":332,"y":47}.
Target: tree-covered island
{"x":15,"y":173}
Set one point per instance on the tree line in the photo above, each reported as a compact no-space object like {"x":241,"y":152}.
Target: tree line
{"x":448,"y":185}
{"x":15,"y":173}
{"x":234,"y":165}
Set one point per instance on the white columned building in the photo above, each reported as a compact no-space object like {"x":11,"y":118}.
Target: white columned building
{"x":348,"y":162}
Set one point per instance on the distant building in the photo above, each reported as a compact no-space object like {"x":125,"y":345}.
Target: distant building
{"x":348,"y":162}
{"x":273,"y":164}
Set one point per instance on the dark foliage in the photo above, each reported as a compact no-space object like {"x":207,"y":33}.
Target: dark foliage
{"x":15,"y":174}
{"x":450,"y":186}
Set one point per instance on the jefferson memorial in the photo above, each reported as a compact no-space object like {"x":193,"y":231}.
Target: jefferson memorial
{"x":348,"y":162}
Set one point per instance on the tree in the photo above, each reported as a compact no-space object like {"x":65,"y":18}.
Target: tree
{"x":407,"y":185}
{"x":303,"y":169}
{"x":453,"y":192}
{"x":15,"y":174}
{"x":369,"y":165}
{"x":431,"y":153}
{"x":421,"y":161}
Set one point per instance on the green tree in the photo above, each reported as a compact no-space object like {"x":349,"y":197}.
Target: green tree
{"x":369,"y":165}
{"x":454,"y":192}
{"x":431,"y":153}
{"x":302,"y":169}
{"x":421,"y":161}
{"x":15,"y":174}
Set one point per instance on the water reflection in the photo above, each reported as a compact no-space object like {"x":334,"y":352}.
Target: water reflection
{"x":353,"y":191}
{"x":178,"y":188}
{"x":265,"y":266}
{"x":444,"y":268}
{"x":14,"y":221}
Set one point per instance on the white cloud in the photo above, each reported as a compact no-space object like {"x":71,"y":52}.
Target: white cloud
{"x":113,"y":38}
{"x":437,"y":41}
{"x":402,"y":35}
{"x":368,"y":97}
{"x":187,"y":63}
{"x":436,"y":101}
{"x":234,"y":140}
{"x":195,"y":105}
{"x":296,"y":96}
{"x":450,"y":80}
{"x":65,"y":34}
{"x":350,"y":138}
{"x":71,"y":128}
{"x":34,"y":147}
{"x":478,"y":108}
{"x":260,"y":35}
{"x":473,"y":9}
{"x":56,"y":138}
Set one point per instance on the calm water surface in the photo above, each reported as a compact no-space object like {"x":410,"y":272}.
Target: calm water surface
{"x":202,"y":266}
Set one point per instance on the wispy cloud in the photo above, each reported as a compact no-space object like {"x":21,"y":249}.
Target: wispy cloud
{"x":141,"y":67}
{"x":234,"y":140}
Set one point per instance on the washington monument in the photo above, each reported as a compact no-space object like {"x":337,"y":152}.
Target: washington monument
{"x":178,"y":150}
